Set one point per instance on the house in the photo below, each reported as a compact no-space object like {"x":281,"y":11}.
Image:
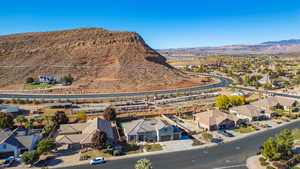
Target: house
{"x":9,"y":109}
{"x":14,"y":143}
{"x":150,"y":131}
{"x":250,"y":112}
{"x":47,"y":79}
{"x":276,"y":102}
{"x":80,"y":134}
{"x":265,"y":80}
{"x":58,"y":105}
{"x":215,"y":119}
{"x":90,"y":110}
{"x":237,"y":94}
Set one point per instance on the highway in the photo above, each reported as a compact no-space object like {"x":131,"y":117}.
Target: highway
{"x":227,"y":155}
{"x":223,"y":83}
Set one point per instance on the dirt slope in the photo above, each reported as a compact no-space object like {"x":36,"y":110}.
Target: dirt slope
{"x":99,"y":59}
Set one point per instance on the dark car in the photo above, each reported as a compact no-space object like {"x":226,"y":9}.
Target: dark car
{"x":225,"y":133}
{"x":217,"y":140}
{"x":260,"y":149}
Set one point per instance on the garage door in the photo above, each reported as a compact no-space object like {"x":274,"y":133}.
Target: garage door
{"x":165,"y":138}
{"x":6,"y":154}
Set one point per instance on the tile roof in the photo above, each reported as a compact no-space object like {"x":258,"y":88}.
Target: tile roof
{"x":85,"y":130}
{"x":273,"y":101}
{"x":141,"y":126}
{"x":214,"y":117}
{"x":249,"y":110}
{"x":17,"y":138}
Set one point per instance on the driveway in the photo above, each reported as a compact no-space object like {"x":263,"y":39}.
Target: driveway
{"x":177,"y":145}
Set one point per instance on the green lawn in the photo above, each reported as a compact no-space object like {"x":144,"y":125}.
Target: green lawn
{"x":153,"y":147}
{"x":248,"y":129}
{"x":187,"y":117}
{"x":93,"y":153}
{"x":32,"y":86}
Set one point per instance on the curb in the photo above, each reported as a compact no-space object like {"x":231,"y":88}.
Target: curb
{"x":192,"y":148}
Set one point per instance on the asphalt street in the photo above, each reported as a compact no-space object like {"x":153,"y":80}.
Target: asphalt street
{"x":227,"y":155}
{"x":223,"y":82}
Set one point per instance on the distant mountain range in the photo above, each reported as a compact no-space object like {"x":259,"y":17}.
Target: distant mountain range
{"x":270,"y":47}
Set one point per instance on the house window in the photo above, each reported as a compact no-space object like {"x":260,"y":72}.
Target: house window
{"x":131,"y":138}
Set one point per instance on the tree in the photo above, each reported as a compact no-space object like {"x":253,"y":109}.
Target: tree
{"x":99,"y":139}
{"x":21,"y":119}
{"x":68,"y":79}
{"x":280,"y":147}
{"x":289,"y":108}
{"x":39,"y":120}
{"x":207,"y":136}
{"x":194,"y":108}
{"x":30,"y":157}
{"x":6,"y":120}
{"x":178,"y":111}
{"x":270,"y":150}
{"x":49,"y":119}
{"x":222,"y":102}
{"x":29,"y":124}
{"x":143,"y":164}
{"x":46,"y":145}
{"x":81,"y":116}
{"x":247,"y":80}
{"x":60,"y":117}
{"x":110,"y":114}
{"x":237,"y":100}
{"x":47,"y":129}
{"x":29,"y":80}
{"x":268,"y":85}
{"x":285,"y":141}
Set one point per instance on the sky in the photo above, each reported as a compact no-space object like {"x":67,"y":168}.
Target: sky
{"x":162,"y":23}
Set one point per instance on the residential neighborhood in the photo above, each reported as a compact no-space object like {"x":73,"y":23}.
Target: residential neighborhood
{"x":74,"y":126}
{"x":150,"y":84}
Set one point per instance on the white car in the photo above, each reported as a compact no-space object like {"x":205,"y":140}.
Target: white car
{"x":97,"y":160}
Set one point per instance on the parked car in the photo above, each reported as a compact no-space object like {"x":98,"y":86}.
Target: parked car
{"x":225,"y":133}
{"x":217,"y":140}
{"x":98,"y":160}
{"x":7,"y":162}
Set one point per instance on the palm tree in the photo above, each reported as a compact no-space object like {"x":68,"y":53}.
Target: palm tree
{"x":178,"y":111}
{"x":39,"y":120}
{"x":194,"y":108}
{"x":289,"y":110}
{"x":21,"y":119}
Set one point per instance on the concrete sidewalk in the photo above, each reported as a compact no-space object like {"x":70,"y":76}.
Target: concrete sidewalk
{"x":253,"y":163}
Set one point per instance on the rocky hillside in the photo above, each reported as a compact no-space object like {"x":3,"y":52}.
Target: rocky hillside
{"x":97,"y":58}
